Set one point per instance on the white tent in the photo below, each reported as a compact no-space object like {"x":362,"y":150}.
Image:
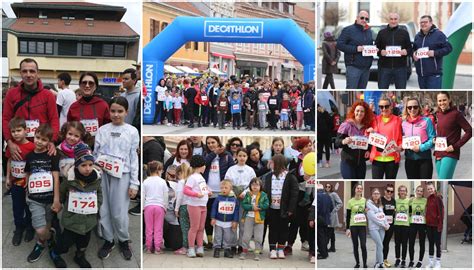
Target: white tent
{"x":188,"y":70}
{"x":171,"y":69}
{"x":217,"y":72}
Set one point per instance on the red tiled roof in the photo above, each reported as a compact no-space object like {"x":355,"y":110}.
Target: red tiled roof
{"x":77,"y":27}
{"x":307,"y":16}
{"x":185,"y":6}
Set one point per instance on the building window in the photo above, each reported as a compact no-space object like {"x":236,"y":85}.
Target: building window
{"x":23,"y":47}
{"x":286,"y":8}
{"x":187,"y":45}
{"x":163,"y":26}
{"x":205,"y":47}
{"x":275,"y":5}
{"x":196,"y":46}
{"x":40,"y":47}
{"x":108,"y":50}
{"x":31,"y":46}
{"x":266,"y":4}
{"x":4,"y":48}
{"x":66,"y":47}
{"x":87,"y":49}
{"x":119,"y":50}
{"x":154,"y":28}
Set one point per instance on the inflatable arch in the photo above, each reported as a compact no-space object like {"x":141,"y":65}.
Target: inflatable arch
{"x":232,"y":30}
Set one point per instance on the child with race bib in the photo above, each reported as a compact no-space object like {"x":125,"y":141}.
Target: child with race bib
{"x":42,"y":173}
{"x":81,"y":195}
{"x":401,"y":228}
{"x":116,"y":145}
{"x":198,"y":193}
{"x":183,"y":171}
{"x":356,"y":224}
{"x":377,"y":225}
{"x":72,"y":133}
{"x":417,"y":226}
{"x":16,"y":179}
{"x":434,"y":224}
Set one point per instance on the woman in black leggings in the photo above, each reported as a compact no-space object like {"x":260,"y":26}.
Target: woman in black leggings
{"x":417,"y":226}
{"x":402,"y":223}
{"x":434,"y":224}
{"x":356,"y":224}
{"x":324,"y":136}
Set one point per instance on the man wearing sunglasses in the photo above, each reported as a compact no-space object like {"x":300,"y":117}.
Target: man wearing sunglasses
{"x":429,"y":48}
{"x":351,"y":42}
{"x":394,"y":45}
{"x":389,"y":209}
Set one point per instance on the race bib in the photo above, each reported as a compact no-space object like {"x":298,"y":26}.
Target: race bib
{"x":161,"y":95}
{"x":203,"y":98}
{"x":272,"y":101}
{"x":369,"y":50}
{"x":40,"y":182}
{"x":235,"y":107}
{"x":111,"y":165}
{"x":276,"y":201}
{"x":203,"y":188}
{"x":389,"y":219}
{"x":214,"y":167}
{"x":311,"y":181}
{"x":31,"y":127}
{"x":393,"y":51}
{"x":223,"y":104}
{"x":401,"y":217}
{"x":84,"y":203}
{"x":261,"y":107}
{"x":380,"y":216}
{"x":18,"y":169}
{"x":391,"y":147}
{"x":417,"y":219}
{"x":91,"y":125}
{"x":422,"y":52}
{"x":359,"y":142}
{"x":377,"y":140}
{"x":226,"y":208}
{"x":359,"y":218}
{"x":441,"y":144}
{"x":410,"y":142}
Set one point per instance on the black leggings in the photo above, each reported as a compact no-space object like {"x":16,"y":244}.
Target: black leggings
{"x":69,"y":238}
{"x":434,"y":237}
{"x":361,"y":233}
{"x":331,"y":237}
{"x":277,"y":229}
{"x":327,"y":147}
{"x":389,"y":169}
{"x":401,"y":239}
{"x":329,"y":80}
{"x":421,"y":230}
{"x":208,"y":227}
{"x":298,"y":221}
{"x":386,"y":241}
{"x":419,"y":169}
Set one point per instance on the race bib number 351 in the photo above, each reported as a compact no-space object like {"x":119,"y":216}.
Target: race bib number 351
{"x":82,"y":202}
{"x":111,"y":165}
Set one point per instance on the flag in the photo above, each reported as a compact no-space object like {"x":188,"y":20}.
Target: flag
{"x":457,"y":30}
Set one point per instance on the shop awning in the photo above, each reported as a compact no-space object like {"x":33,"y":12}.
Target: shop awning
{"x":223,"y":55}
{"x":188,"y":70}
{"x":173,"y":70}
{"x":217,"y":72}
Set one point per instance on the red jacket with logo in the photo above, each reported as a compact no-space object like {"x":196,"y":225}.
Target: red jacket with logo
{"x":85,"y":110}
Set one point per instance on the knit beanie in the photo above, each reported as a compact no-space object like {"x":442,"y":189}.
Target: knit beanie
{"x":82,"y":152}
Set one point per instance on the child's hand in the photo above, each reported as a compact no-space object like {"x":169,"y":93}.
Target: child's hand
{"x":255,"y":208}
{"x":242,"y":195}
{"x":132,"y":193}
{"x":200,"y":195}
{"x":234,"y":226}
{"x":56,"y":207}
{"x":213,"y":222}
{"x":311,"y":223}
{"x":8,"y":182}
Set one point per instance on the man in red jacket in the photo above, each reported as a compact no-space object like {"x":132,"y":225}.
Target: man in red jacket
{"x":32,"y":102}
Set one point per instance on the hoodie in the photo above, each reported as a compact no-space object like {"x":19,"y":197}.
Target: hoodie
{"x":376,"y":216}
{"x":96,"y":108}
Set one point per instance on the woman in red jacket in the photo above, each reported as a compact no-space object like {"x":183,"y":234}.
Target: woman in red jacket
{"x":202,"y":100}
{"x":434,"y":224}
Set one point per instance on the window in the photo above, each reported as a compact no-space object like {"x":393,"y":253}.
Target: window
{"x":196,"y":46}
{"x":163,"y":26}
{"x":107,"y":50}
{"x":154,"y":28}
{"x":40,"y":47}
{"x":275,"y":5}
{"x":286,"y":7}
{"x":87,"y":49}
{"x":23,"y":47}
{"x":36,"y":47}
{"x":119,"y":50}
{"x":205,"y":47}
{"x":31,"y":47}
{"x":4,"y":48}
{"x":187,"y":45}
{"x":265,"y":4}
{"x":66,"y":47}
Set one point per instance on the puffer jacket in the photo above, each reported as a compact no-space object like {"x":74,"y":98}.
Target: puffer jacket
{"x":435,"y":40}
{"x":352,"y":36}
{"x":423,"y":127}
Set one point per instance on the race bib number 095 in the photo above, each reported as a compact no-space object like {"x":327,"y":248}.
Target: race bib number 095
{"x":40,"y":182}
{"x":82,"y":202}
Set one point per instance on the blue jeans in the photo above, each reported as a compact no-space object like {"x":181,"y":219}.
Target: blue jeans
{"x":349,"y":171}
{"x":357,"y":78}
{"x":429,"y":82}
{"x":399,"y":76}
{"x":21,"y":212}
{"x":377,"y":236}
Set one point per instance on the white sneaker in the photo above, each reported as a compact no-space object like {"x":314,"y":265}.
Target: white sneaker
{"x":312,"y":260}
{"x":431,"y":263}
{"x":191,"y":253}
{"x":437,"y":264}
{"x":273,"y":254}
{"x":281,"y":254}
{"x":305,"y":246}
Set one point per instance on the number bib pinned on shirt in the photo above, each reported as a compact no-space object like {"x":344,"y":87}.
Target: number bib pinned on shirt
{"x":417,"y":219}
{"x":31,"y":127}
{"x":261,"y":107}
{"x":204,"y":98}
{"x":235,"y":106}
{"x":276,"y":199}
{"x":84,"y":203}
{"x":441,"y":144}
{"x":311,"y":182}
{"x":389,"y":219}
{"x":377,"y":140}
{"x":410,"y":142}
{"x":401,"y":217}
{"x":111,"y":165}
{"x":40,"y":182}
{"x":203,"y":188}
{"x":91,"y":125}
{"x":272,"y":101}
{"x":18,"y":168}
{"x":226,"y":208}
{"x":360,"y":218}
{"x":380,"y":216}
{"x":223,"y":104}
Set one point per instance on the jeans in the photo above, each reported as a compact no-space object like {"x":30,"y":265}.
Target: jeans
{"x":419,"y":169}
{"x":357,"y":78}
{"x":399,"y":76}
{"x":21,"y":212}
{"x":378,"y":236}
{"x":429,"y":82}
{"x":349,"y":171}
{"x":236,"y":120}
{"x":389,"y":169}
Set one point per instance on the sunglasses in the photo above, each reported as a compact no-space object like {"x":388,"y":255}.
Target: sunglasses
{"x":384,"y":107}
{"x":389,"y":191}
{"x":364,"y":18}
{"x":85,"y":83}
{"x":413,"y":108}
{"x":236,"y":145}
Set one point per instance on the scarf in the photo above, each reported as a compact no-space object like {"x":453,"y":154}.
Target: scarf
{"x":68,"y":149}
{"x":86,"y":179}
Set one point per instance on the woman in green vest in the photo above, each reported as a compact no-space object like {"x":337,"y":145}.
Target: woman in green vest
{"x":417,"y":226}
{"x":356,"y":224}
{"x":402,"y":226}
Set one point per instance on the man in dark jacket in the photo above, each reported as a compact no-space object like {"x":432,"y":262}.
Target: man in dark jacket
{"x":394,"y":45}
{"x":430,"y":46}
{"x":352,"y":41}
{"x":325,"y":207}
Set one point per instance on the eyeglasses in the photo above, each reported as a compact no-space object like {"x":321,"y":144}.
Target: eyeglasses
{"x":413,"y":108}
{"x":424,"y":22}
{"x":85,"y":83}
{"x":364,"y":18}
{"x":389,"y":191}
{"x":384,"y":107}
{"x":236,"y":145}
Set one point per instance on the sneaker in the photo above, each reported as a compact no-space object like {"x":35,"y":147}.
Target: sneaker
{"x":29,"y":234}
{"x":281,"y":254}
{"x":17,"y":236}
{"x":36,"y":253}
{"x":431,"y":263}
{"x":257,"y":256}
{"x":387,"y":264}
{"x":437,"y":264}
{"x":57,"y":260}
{"x":191,"y":252}
{"x":312,"y":260}
{"x":273,"y":254}
{"x":288,"y":250}
{"x":403,"y":264}
{"x":181,"y":251}
{"x":411,"y":264}
{"x":243,"y":256}
{"x":397,"y":263}
{"x":80,"y":259}
{"x":104,"y":252}
{"x":148,"y":251}
{"x":228,"y":253}
{"x":217,"y":253}
{"x":418,"y":265}
{"x":200,"y":251}
{"x":125,"y":250}
{"x":135,"y":211}
{"x":305,"y":246}
{"x":326,"y":165}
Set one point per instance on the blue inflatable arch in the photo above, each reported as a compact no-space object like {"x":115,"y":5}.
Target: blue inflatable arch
{"x":233,"y":30}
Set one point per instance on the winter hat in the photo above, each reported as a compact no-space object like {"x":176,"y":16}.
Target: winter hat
{"x":197,"y":161}
{"x":82,"y":152}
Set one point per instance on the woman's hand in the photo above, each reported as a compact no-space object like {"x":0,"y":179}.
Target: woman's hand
{"x":348,"y":233}
{"x":346,"y":141}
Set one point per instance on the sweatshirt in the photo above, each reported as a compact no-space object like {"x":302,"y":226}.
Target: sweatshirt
{"x":155,"y":192}
{"x":449,"y":125}
{"x":434,"y":212}
{"x":376,"y":216}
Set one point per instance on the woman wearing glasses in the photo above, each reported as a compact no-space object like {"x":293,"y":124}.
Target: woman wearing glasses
{"x":356,"y":224}
{"x":92,"y":111}
{"x":451,"y":122}
{"x":385,"y":161}
{"x":389,"y":205}
{"x":377,"y":225}
{"x":418,"y":132}
{"x":337,"y":204}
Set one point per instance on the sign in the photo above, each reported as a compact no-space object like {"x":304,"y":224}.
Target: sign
{"x":233,"y":29}
{"x":82,"y":202}
{"x":410,"y":142}
{"x":390,"y":148}
{"x":369,"y":50}
{"x":111,"y":165}
{"x":276,"y":201}
{"x":235,"y":106}
{"x":226,"y":208}
{"x":441,"y":144}
{"x":203,"y":188}
{"x":91,"y":125}
{"x":31,"y":127}
{"x":389,"y":219}
{"x":359,"y":142}
{"x":377,"y":140}
{"x":380,"y":216}
{"x":112,"y":80}
{"x":359,"y":218}
{"x":422,"y":52}
{"x":40,"y":182}
{"x":18,"y":168}
{"x":393,"y":51}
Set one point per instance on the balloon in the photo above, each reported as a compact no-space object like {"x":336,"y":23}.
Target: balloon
{"x":309,"y":164}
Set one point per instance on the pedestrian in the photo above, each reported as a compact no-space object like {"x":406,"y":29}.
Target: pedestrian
{"x":168,"y":108}
{"x":284,"y":113}
{"x":377,"y":225}
{"x":449,"y":127}
{"x":132,"y":93}
{"x":330,"y":58}
{"x":352,"y":40}
{"x":417,"y":226}
{"x":189,"y":94}
{"x":308,"y":106}
{"x":160,"y":90}
{"x":324,"y":136}
{"x":434,"y":225}
{"x":254,"y":160}
{"x":236,"y":110}
{"x":418,"y":163}
{"x":177,"y":107}
{"x":222,"y":108}
{"x":336,"y":204}
{"x":183,"y":171}
{"x":389,"y":205}
{"x":263,"y":110}
{"x":401,"y":228}
{"x":358,"y":120}
{"x":183,"y":154}
{"x":65,"y":97}
{"x":394,"y":45}
{"x":117,"y":142}
{"x":324,"y":218}
{"x":429,"y":48}
{"x":273,"y":107}
{"x":356,"y":224}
